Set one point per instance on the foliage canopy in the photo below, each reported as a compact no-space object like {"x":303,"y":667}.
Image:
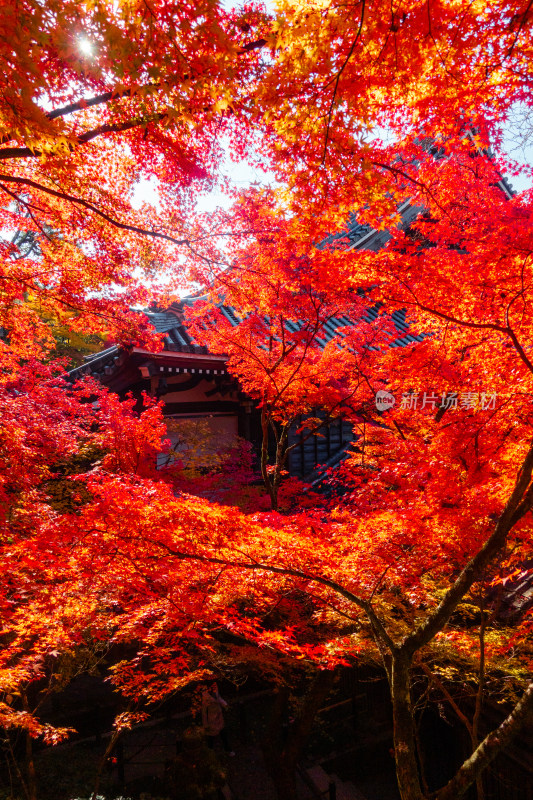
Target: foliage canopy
{"x":98,"y":96}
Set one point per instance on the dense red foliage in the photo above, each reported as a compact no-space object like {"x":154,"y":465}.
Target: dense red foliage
{"x":437,"y":516}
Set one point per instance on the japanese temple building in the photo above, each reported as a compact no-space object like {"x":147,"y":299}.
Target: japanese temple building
{"x":195,"y":384}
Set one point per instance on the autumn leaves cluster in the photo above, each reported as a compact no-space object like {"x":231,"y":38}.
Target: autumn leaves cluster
{"x":385,"y":111}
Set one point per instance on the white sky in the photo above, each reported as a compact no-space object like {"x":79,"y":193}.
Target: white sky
{"x":240,"y":174}
{"x":517,"y":144}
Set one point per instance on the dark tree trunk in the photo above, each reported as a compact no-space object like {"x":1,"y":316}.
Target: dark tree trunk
{"x":31,"y":777}
{"x":404,"y":730}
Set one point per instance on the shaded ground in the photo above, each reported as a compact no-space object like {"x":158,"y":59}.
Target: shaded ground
{"x":138,"y":764}
{"x":147,"y":750}
{"x":370,"y":767}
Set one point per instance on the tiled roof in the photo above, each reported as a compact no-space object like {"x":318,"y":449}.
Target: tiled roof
{"x":177,"y":338}
{"x":353,"y":233}
{"x":162,"y":321}
{"x":99,"y":365}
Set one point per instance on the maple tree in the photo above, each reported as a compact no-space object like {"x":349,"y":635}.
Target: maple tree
{"x":280,"y":351}
{"x":433,"y":482}
{"x":97,"y":98}
{"x":438,"y":517}
{"x":462,"y":271}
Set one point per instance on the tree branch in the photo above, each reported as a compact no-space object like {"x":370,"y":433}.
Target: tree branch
{"x":27,"y":152}
{"x":489,"y":748}
{"x":441,"y":687}
{"x":508,"y":518}
{"x":505,"y":329}
{"x":252,"y":46}
{"x":337,"y":79}
{"x":90,"y":207}
{"x":290,"y":572}
{"x":98,"y":100}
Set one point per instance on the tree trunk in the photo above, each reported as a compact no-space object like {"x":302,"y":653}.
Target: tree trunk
{"x":31,"y":778}
{"x":267,"y":480}
{"x":404,"y":729}
{"x":109,"y":749}
{"x":479,"y":697}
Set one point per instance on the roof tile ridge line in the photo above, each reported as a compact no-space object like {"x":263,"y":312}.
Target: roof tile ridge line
{"x":93,"y":356}
{"x":150,"y":311}
{"x":372,"y":232}
{"x":175,"y":312}
{"x":104,"y":355}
